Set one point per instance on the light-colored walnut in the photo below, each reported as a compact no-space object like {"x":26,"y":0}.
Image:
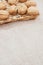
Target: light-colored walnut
{"x":32,"y":11}
{"x":30,"y":3}
{"x":13,"y":2}
{"x":13,"y":9}
{"x":3,"y":14}
{"x":22,"y":8}
{"x":2,"y":6}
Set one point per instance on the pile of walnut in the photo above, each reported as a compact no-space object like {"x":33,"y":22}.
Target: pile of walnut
{"x":12,"y":9}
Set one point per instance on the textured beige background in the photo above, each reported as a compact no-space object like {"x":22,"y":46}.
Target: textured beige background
{"x":21,"y":43}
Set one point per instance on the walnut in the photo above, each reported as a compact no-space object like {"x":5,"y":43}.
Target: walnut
{"x":13,"y":2}
{"x":13,"y":9}
{"x":22,"y":8}
{"x":30,"y":3}
{"x":4,"y":14}
{"x":2,"y":6}
{"x":32,"y":11}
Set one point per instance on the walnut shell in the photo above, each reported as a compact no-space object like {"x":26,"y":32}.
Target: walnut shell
{"x":3,"y":14}
{"x":32,"y":11}
{"x":12,"y":9}
{"x":12,"y":2}
{"x":22,"y":8}
{"x":30,"y":3}
{"x":2,"y":6}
